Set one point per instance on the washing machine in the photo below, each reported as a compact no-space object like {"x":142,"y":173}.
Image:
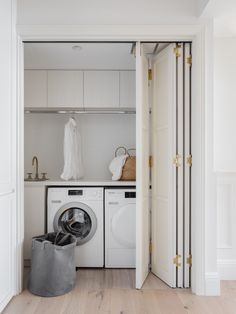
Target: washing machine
{"x":120,"y":224}
{"x":79,"y":211}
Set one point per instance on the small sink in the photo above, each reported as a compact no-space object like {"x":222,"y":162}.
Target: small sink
{"x":35,"y":180}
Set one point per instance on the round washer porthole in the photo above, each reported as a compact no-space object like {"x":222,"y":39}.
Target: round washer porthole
{"x":78,"y":219}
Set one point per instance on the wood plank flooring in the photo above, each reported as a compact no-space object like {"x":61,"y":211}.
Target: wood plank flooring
{"x":110,"y":291}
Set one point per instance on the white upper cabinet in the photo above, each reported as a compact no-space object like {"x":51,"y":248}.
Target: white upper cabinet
{"x":65,"y":89}
{"x":78,"y":89}
{"x":127,"y":89}
{"x":35,"y":88}
{"x":101,"y":89}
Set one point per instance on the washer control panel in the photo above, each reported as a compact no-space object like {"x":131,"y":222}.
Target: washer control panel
{"x":72,"y":194}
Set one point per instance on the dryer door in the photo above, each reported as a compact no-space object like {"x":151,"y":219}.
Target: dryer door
{"x":78,"y":219}
{"x":123,"y":225}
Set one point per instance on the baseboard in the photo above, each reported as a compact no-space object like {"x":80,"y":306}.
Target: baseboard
{"x":212,"y":284}
{"x":227,"y":269}
{"x":5,"y":301}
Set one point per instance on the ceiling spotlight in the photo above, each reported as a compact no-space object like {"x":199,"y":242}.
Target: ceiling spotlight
{"x":76,"y":48}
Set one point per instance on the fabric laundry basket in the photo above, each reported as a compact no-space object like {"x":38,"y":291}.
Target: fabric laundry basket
{"x":53,"y":269}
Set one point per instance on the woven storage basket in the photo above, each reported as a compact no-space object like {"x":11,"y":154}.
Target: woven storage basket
{"x":129,"y":168}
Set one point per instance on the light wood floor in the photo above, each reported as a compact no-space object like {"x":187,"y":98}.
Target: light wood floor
{"x":112,"y":292}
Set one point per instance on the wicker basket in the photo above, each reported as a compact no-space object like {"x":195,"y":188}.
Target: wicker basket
{"x":129,"y":168}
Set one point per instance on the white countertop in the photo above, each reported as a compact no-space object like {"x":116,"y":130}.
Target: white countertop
{"x":89,"y":182}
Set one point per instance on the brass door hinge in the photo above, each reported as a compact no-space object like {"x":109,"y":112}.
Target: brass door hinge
{"x":176,"y":261}
{"x":189,"y":160}
{"x":189,"y":60}
{"x":176,"y":161}
{"x":150,"y":162}
{"x":150,"y":247}
{"x":189,"y":260}
{"x":177,"y":51}
{"x":149,"y":74}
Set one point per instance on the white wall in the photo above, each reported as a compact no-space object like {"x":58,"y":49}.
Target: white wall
{"x":225,"y":153}
{"x":225,"y":105}
{"x":103,"y":11}
{"x":101,"y":135}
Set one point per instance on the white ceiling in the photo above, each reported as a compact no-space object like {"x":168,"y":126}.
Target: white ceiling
{"x":115,"y":56}
{"x":91,"y":56}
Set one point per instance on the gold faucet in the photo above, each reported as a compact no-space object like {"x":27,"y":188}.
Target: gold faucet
{"x":35,"y":159}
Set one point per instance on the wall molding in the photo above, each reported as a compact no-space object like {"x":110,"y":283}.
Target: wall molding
{"x":5,"y":301}
{"x":227,"y":269}
{"x":226,"y":244}
{"x":225,"y":207}
{"x":212,"y":284}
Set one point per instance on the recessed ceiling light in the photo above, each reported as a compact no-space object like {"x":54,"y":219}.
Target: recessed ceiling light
{"x":76,"y":48}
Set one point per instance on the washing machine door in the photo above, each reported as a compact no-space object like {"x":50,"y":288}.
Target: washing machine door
{"x":78,"y":219}
{"x":123,"y":225}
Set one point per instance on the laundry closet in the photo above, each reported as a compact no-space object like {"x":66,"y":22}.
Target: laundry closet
{"x":129,"y":95}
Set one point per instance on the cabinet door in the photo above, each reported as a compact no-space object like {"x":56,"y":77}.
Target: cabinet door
{"x":35,"y":88}
{"x":101,"y":89}
{"x":65,"y":89}
{"x":34,"y":216}
{"x":127,"y":89}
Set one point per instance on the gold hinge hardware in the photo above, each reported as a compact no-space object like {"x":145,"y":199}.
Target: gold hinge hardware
{"x":189,"y":60}
{"x":150,"y":247}
{"x":176,"y":161}
{"x":176,"y":260}
{"x":177,"y":51}
{"x":150,"y":162}
{"x":149,"y":74}
{"x":189,"y":160}
{"x":189,"y":260}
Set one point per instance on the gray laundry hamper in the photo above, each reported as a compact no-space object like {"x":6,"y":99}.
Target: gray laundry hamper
{"x":53,"y":270}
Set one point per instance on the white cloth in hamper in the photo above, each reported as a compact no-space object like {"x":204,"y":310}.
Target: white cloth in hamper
{"x":73,"y":166}
{"x":116,"y":166}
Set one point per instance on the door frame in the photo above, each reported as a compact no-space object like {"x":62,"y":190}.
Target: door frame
{"x":203,"y":180}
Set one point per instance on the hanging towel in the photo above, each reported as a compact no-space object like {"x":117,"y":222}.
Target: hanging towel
{"x":116,"y":166}
{"x":73,"y":166}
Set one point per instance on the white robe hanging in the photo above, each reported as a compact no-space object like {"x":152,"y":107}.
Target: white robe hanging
{"x":73,"y":166}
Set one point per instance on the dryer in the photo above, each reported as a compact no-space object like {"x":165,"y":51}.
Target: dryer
{"x":120,"y":228}
{"x":79,"y":211}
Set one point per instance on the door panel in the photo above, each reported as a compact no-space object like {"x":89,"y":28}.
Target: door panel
{"x":163,"y":170}
{"x":179,"y":147}
{"x":142,"y":168}
{"x":8,"y":152}
{"x":187,"y":166}
{"x":171,"y":181}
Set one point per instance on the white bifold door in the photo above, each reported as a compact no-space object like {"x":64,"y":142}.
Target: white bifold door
{"x":142,"y":167}
{"x":168,"y":95}
{"x":8,"y":154}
